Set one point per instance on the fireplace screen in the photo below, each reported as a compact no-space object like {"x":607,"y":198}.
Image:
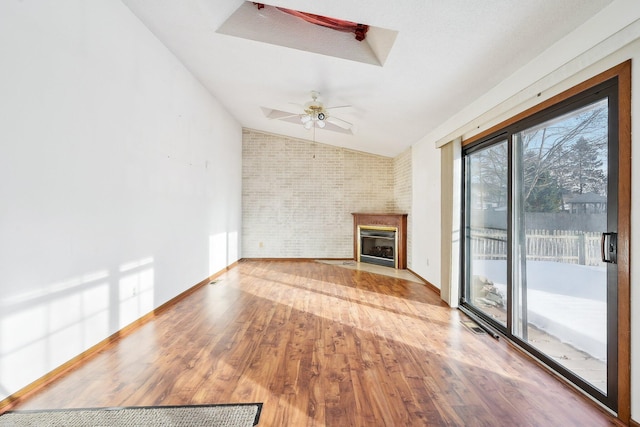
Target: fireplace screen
{"x":378,"y":245}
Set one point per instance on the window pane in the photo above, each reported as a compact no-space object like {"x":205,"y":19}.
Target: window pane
{"x":487,"y":173}
{"x":560,"y":205}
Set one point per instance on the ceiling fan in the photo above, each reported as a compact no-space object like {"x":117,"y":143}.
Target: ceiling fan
{"x":314,"y":114}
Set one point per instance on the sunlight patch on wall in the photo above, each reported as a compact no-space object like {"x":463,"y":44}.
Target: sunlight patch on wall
{"x":135,"y":290}
{"x":41,"y":330}
{"x":217,"y":252}
{"x":233,"y":248}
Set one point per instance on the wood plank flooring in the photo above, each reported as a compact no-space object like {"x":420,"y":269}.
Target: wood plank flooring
{"x":322,"y":345}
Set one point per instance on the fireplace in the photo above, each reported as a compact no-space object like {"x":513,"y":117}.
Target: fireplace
{"x":378,"y":245}
{"x":381,"y":239}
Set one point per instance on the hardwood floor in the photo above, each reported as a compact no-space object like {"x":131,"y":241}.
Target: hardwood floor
{"x":322,"y":345}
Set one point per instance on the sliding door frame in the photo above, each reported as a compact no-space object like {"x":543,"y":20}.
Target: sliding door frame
{"x":623,"y":74}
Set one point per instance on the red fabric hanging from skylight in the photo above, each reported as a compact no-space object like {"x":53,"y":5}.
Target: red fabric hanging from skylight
{"x":360,"y":30}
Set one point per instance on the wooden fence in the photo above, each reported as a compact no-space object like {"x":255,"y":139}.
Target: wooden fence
{"x":573,"y":247}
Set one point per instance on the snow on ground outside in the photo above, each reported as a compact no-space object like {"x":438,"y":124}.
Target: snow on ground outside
{"x":567,"y":301}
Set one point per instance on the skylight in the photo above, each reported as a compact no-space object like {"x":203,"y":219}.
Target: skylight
{"x":271,"y":25}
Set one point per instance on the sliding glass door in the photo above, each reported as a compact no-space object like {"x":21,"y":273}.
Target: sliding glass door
{"x":540,"y":220}
{"x":486,"y":229}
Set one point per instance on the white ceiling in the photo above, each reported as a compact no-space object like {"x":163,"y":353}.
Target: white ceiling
{"x":445,"y":55}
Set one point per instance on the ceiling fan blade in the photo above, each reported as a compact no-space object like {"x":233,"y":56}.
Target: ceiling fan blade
{"x":340,"y":129}
{"x":278,"y":114}
{"x":339,"y":122}
{"x":285,"y":117}
{"x":337,"y":106}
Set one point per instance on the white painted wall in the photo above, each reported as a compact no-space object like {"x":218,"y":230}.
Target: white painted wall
{"x":425,"y":212}
{"x":120,"y":180}
{"x":610,"y":38}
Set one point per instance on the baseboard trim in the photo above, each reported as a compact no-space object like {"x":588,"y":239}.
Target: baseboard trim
{"x":17,"y":397}
{"x":633,"y":423}
{"x":294,"y":259}
{"x":427,"y":283}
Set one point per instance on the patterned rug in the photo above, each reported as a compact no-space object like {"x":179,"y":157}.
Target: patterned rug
{"x":227,"y":415}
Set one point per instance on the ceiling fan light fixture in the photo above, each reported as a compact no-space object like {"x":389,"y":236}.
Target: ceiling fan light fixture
{"x":314,"y":114}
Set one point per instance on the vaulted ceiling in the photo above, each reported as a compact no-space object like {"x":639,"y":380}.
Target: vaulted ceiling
{"x":421,"y":62}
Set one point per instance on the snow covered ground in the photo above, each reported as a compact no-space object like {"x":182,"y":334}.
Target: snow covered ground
{"x":567,"y":301}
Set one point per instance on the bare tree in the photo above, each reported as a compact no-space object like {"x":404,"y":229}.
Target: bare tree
{"x":493,"y":176}
{"x":566,"y":152}
{"x":561,"y":156}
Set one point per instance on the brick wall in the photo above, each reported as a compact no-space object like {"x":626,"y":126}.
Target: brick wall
{"x":402,"y":193}
{"x":298,"y":196}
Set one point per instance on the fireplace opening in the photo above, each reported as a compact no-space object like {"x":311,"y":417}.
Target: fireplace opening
{"x":380,"y":239}
{"x":378,"y":245}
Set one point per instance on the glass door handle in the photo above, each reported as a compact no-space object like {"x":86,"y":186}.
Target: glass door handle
{"x":609,"y":248}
